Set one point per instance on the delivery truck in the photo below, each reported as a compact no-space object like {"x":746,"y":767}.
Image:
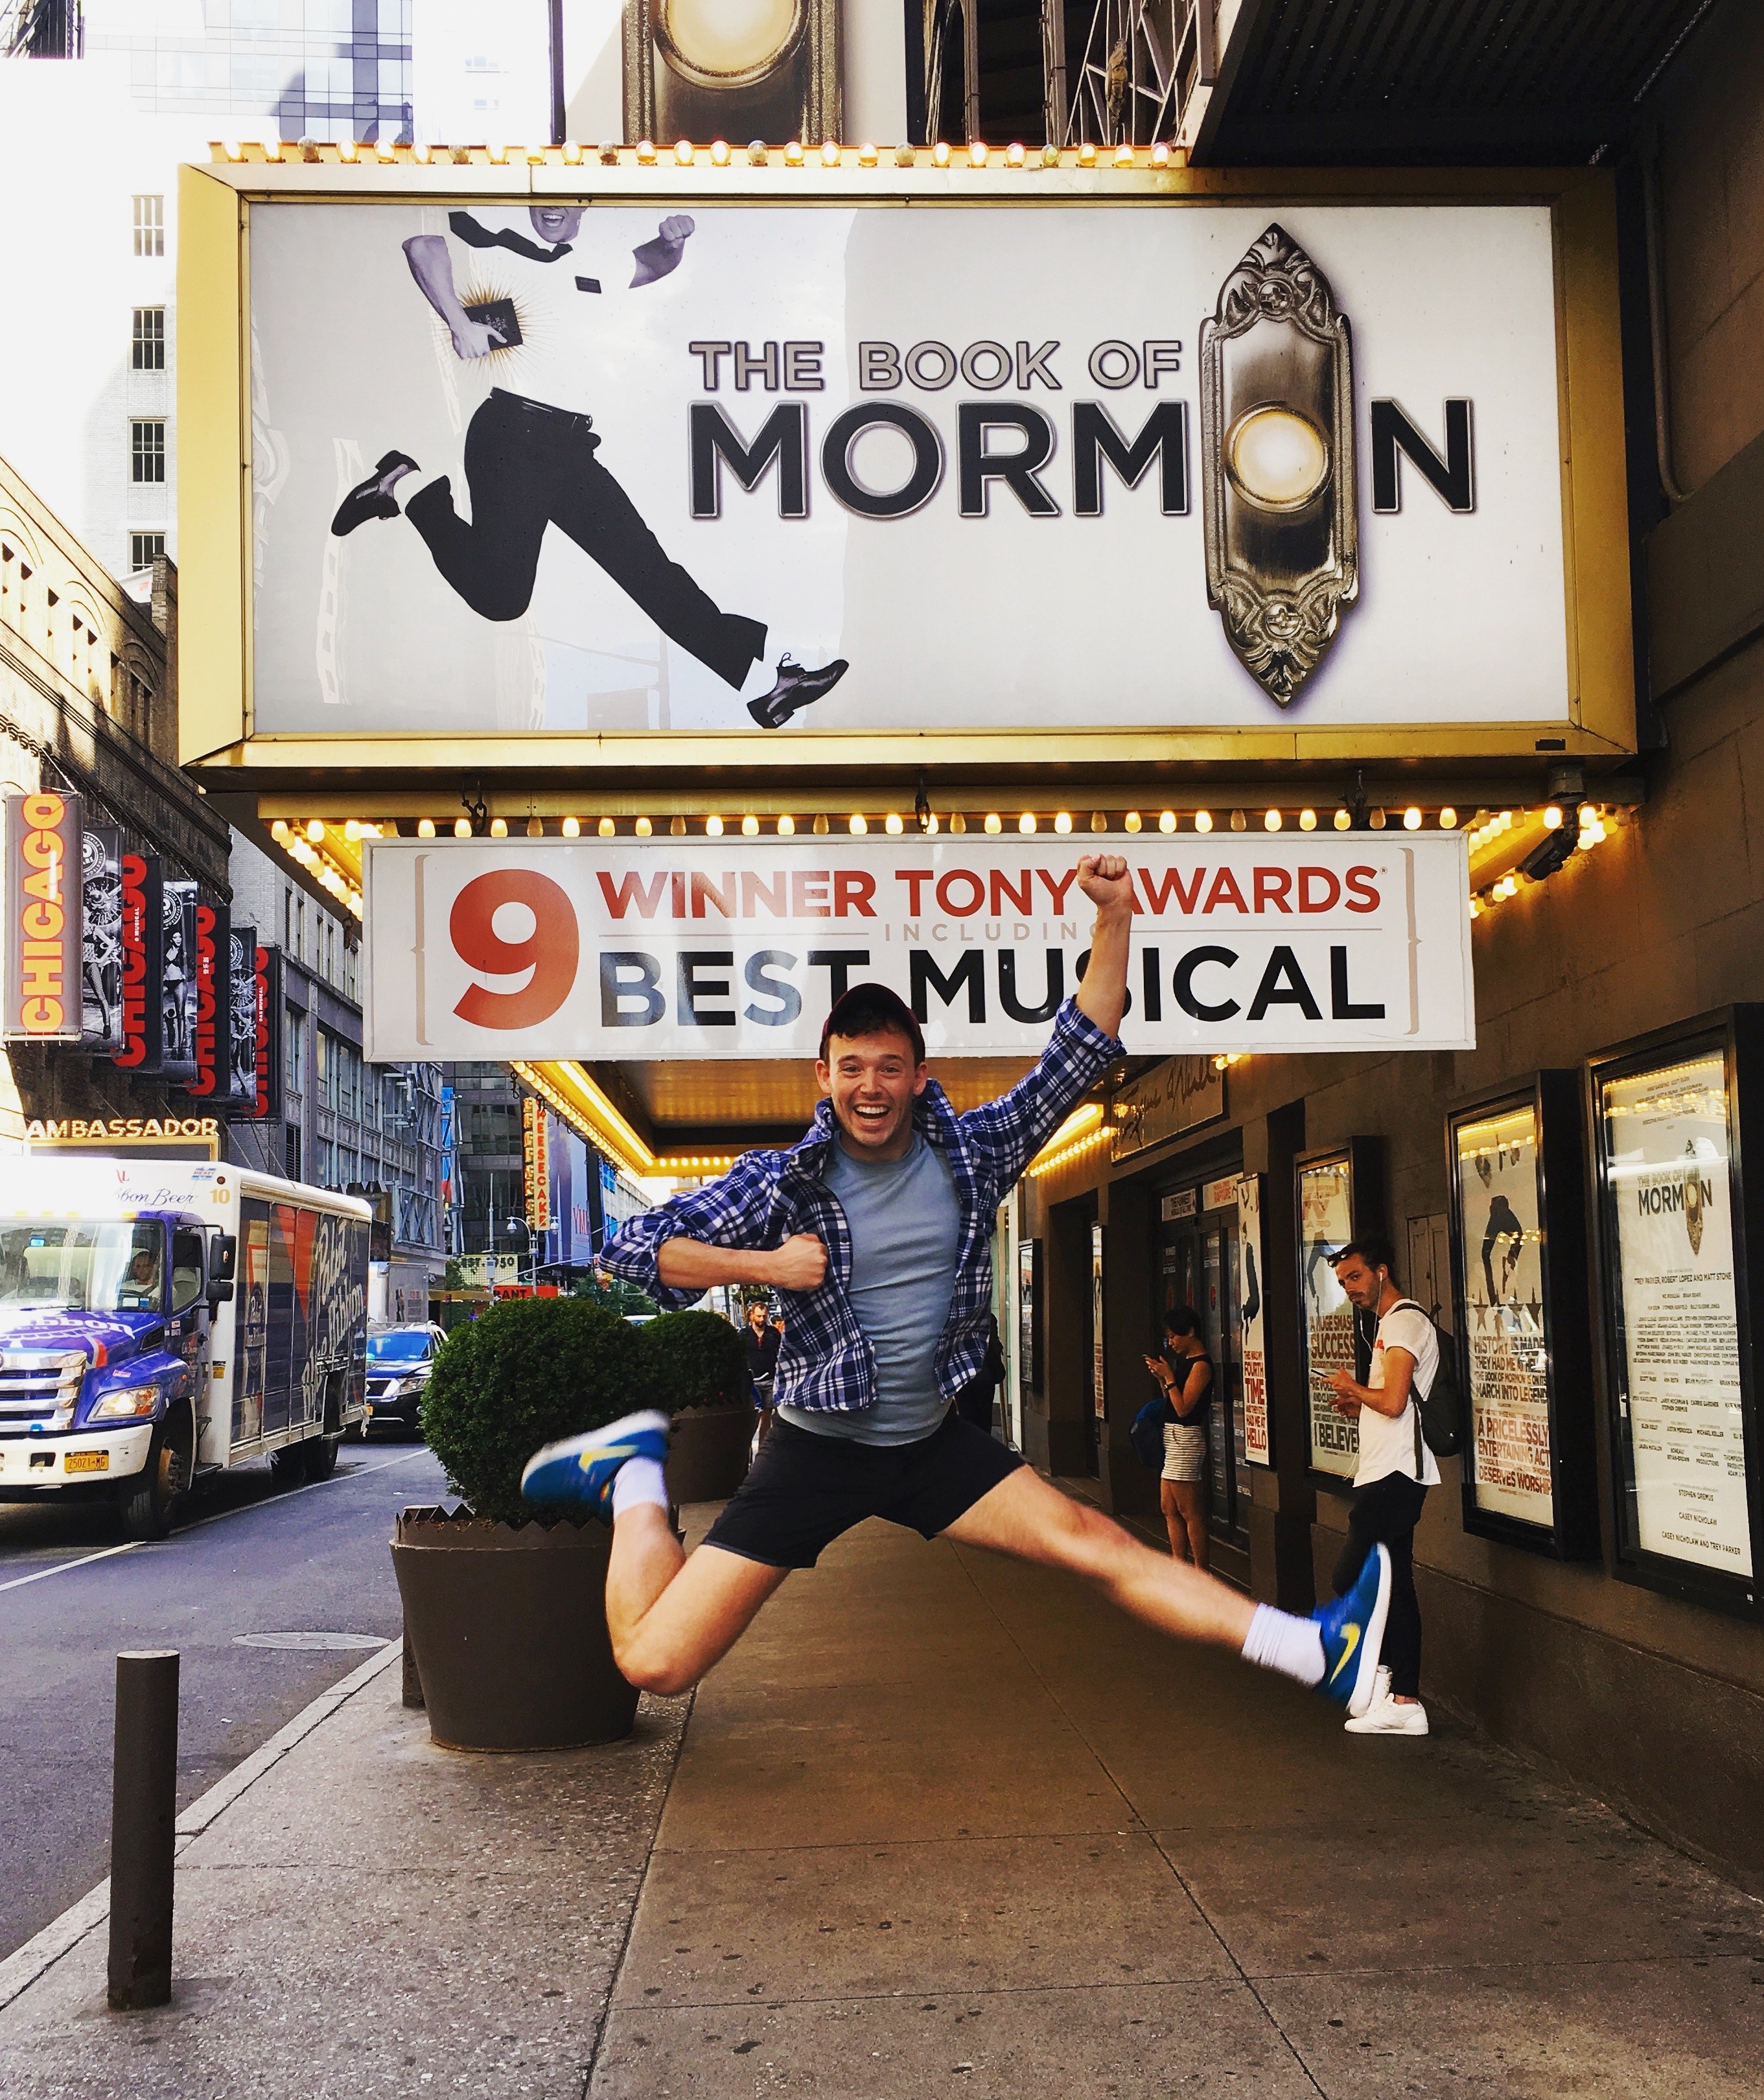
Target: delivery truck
{"x":160,"y":1321}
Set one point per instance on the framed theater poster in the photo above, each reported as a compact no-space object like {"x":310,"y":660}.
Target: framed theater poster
{"x":1518,"y":1265}
{"x":1339,"y":1194}
{"x":1257,"y":1437}
{"x":1027,"y":1297}
{"x":1671,"y":1117}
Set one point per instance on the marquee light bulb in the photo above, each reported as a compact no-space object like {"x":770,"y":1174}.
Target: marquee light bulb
{"x":1448,"y":818}
{"x":892,"y":824}
{"x":1123,"y":156}
{"x":499,"y":827}
{"x":643,"y":827}
{"x":425,"y":828}
{"x":1272,"y":821}
{"x":977,"y":150}
{"x":830,"y":153}
{"x":866,"y":155}
{"x":1098,"y":821}
{"x":646,"y":154}
{"x":315,"y":830}
{"x":1308,"y":820}
{"x":683,"y":152}
{"x":352,"y":831}
{"x":713,"y":826}
{"x":1062,"y":823}
{"x":570,"y":828}
{"x":994,"y":823}
{"x":786,"y":826}
{"x":462,"y":827}
{"x":793,"y":154}
{"x":1050,"y":156}
{"x":1161,"y":154}
{"x":1013,"y":155}
{"x":1343,"y":821}
{"x":278,"y":829}
{"x":1086,"y":155}
{"x":535,"y":827}
{"x":860,"y":825}
{"x":1026,"y":823}
{"x":750,"y":827}
{"x":1203,"y":820}
{"x":719,"y":152}
{"x":958,"y":823}
{"x":1132,"y":821}
{"x":1552,"y":818}
{"x":1411,"y":818}
{"x":1239,"y":822}
{"x":820,"y":826}
{"x":940,"y":155}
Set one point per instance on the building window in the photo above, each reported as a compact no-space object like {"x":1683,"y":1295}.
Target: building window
{"x":149,"y":339}
{"x":150,"y":226}
{"x":292,"y":1152}
{"x":147,"y":450}
{"x":145,"y":548}
{"x":294,"y":1035}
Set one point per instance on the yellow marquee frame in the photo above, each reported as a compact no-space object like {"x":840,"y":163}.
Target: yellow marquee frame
{"x":214,"y":457}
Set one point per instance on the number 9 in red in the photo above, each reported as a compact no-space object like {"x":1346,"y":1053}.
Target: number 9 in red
{"x":551,"y":952}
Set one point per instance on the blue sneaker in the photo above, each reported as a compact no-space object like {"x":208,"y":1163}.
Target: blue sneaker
{"x":582,"y":1469}
{"x":1352,"y":1628}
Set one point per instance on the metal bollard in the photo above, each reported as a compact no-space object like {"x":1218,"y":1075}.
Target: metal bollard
{"x":143,"y":1815}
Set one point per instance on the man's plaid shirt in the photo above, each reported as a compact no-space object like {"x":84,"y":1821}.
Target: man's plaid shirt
{"x":826,"y":1363}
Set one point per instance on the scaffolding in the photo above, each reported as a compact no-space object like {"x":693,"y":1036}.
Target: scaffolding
{"x":1142,"y":62}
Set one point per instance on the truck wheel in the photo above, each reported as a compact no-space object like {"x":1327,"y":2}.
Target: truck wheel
{"x":149,"y":1500}
{"x":320,"y":1455}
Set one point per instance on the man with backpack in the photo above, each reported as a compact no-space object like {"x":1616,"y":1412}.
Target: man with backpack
{"x":1396,"y":1468}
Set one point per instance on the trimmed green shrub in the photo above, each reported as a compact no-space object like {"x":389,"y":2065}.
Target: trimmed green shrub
{"x":525,"y":1373}
{"x":692,"y":1360}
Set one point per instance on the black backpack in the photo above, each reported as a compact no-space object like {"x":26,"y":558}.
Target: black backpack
{"x":1439,"y":1411}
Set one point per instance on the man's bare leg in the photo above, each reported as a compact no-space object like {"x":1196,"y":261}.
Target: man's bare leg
{"x":1026,"y":1517}
{"x":671,"y":1616}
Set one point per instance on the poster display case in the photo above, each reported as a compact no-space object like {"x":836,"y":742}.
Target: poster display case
{"x":1519,"y":1268}
{"x":1674,"y":1117}
{"x":1338,"y":1196}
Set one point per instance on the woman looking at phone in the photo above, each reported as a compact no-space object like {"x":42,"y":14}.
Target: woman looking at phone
{"x":1184,"y":1372}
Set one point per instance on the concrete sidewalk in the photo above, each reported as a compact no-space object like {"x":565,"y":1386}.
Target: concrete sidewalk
{"x":940,"y":1824}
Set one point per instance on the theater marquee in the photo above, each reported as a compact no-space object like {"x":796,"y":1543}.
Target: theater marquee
{"x":594,"y":475}
{"x":709,"y":948}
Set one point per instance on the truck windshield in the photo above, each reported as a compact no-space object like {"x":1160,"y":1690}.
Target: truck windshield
{"x":402,"y":1348}
{"x":105,"y":1268}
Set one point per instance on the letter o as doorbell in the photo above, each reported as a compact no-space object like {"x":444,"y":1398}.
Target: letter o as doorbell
{"x":1277,"y":463}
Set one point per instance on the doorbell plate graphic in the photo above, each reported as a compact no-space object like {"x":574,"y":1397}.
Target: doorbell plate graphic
{"x":1277,"y":463}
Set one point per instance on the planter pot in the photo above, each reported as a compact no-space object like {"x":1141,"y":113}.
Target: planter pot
{"x":508,"y":1624}
{"x":708,"y":1453}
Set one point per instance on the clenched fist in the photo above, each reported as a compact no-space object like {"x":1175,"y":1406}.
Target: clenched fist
{"x":799,"y":1264}
{"x":1104,"y":880}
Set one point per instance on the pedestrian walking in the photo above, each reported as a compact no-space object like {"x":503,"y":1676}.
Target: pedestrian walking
{"x":1395,"y":1472}
{"x":1183,"y":1372}
{"x":973,"y":1403}
{"x":875,"y":1230}
{"x":763,"y":1340}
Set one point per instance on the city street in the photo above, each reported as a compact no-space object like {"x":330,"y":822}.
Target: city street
{"x":250,"y":1559}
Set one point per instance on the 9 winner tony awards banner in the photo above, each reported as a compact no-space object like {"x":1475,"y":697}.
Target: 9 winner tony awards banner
{"x":599,"y":469}
{"x":623,"y":948}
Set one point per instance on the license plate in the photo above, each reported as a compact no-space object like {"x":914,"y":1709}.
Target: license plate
{"x":87,"y":1462}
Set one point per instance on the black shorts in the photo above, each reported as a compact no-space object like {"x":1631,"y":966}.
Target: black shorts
{"x":803,"y":1490}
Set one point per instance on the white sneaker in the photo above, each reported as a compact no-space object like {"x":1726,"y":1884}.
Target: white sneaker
{"x":1391,"y":1717}
{"x":1381,"y":1684}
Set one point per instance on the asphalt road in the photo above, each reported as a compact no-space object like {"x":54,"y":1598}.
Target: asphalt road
{"x":249,"y":1558}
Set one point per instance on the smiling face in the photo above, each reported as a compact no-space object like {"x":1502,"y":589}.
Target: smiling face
{"x":555,"y":221}
{"x":872,"y":1081}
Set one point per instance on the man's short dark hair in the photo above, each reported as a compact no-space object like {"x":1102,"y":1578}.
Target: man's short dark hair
{"x":1373,"y":1249}
{"x":872,"y":1009}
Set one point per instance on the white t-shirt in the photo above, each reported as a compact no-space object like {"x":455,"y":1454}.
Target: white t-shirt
{"x":1386,"y":1442}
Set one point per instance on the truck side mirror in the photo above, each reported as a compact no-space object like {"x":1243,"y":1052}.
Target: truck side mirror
{"x":223,"y":1253}
{"x":220,"y":1290}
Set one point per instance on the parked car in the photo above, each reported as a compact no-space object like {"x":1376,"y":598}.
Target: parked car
{"x":399,"y":1362}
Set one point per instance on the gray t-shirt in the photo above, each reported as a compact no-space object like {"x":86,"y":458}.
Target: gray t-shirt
{"x":905,"y":1223}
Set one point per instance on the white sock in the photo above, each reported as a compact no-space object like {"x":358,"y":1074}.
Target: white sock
{"x":642,"y":1480}
{"x":1278,"y":1641}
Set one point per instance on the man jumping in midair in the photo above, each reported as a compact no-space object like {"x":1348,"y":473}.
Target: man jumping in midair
{"x":530,"y":457}
{"x":875,"y":1230}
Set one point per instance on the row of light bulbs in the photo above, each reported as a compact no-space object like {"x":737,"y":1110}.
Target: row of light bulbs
{"x":1028,"y":822}
{"x":830,"y":153}
{"x":1595,"y":826}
